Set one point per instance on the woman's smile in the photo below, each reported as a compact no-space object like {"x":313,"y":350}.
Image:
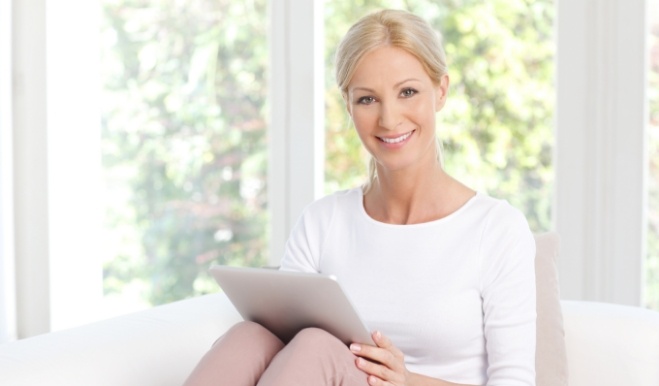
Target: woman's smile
{"x":396,"y":141}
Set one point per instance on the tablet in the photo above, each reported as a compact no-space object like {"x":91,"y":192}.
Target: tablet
{"x":286,"y":302}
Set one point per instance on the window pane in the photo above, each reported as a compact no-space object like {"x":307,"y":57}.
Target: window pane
{"x":184,"y":144}
{"x":497,"y":126}
{"x":652,"y":270}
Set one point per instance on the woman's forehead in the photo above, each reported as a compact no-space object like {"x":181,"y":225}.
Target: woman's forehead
{"x":388,"y":65}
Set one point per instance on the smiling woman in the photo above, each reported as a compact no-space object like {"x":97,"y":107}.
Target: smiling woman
{"x":411,"y":248}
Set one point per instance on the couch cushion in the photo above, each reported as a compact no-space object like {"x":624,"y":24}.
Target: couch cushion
{"x":611,"y":344}
{"x":155,"y":347}
{"x":550,"y":359}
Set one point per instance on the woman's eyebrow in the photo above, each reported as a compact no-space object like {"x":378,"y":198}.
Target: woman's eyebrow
{"x":396,"y":85}
{"x":361,"y":89}
{"x":405,"y":81}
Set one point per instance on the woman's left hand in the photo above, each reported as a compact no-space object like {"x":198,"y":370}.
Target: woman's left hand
{"x":384,"y":363}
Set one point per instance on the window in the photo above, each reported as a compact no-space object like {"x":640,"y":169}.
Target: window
{"x":184,"y":97}
{"x":183,"y":145}
{"x":497,"y":126}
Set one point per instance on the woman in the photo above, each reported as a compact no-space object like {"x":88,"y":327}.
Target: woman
{"x":444,"y":275}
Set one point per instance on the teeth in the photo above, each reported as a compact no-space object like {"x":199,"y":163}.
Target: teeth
{"x":396,"y":140}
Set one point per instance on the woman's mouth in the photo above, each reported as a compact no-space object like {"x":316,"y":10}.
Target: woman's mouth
{"x":396,"y":139}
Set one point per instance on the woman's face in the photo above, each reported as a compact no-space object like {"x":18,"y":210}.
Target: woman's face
{"x":392,"y":102}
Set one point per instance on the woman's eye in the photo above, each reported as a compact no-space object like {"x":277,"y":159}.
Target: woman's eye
{"x":367,"y":100}
{"x":408,"y":92}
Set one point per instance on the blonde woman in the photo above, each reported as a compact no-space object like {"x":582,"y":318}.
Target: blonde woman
{"x":444,"y":274}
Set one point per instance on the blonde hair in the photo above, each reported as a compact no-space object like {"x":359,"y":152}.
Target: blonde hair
{"x":394,"y":28}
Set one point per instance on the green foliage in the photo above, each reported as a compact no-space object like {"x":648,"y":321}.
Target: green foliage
{"x":496,"y":128}
{"x":184,"y":140}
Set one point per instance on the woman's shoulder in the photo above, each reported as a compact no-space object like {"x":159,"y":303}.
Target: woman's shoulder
{"x":498,"y":208}
{"x":498,"y":219}
{"x":326,"y":207}
{"x":502,"y":234}
{"x":337,"y":200}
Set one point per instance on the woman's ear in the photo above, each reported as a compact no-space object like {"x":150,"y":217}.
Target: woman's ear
{"x":442,"y":91}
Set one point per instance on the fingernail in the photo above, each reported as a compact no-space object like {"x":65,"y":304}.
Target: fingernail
{"x":377,"y":335}
{"x":355,"y":347}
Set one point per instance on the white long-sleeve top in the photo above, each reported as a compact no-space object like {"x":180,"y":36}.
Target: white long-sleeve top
{"x":456,"y":295}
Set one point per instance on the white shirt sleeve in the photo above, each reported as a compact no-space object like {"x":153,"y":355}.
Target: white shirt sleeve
{"x":305,"y":243}
{"x":509,"y":301}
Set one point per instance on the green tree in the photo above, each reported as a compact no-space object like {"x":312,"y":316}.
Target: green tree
{"x":184,"y":140}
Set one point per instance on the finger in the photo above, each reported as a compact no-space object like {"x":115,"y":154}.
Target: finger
{"x":375,"y":381}
{"x":384,"y":342}
{"x":373,"y":353}
{"x":374,"y":370}
{"x":381,"y":340}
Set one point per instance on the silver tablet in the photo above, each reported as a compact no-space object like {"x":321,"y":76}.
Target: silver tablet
{"x":287,"y":302}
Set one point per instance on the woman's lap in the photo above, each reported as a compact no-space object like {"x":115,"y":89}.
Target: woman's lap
{"x":314,"y":357}
{"x":248,"y":354}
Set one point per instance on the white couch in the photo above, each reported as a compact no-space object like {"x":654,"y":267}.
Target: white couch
{"x":606,"y":345}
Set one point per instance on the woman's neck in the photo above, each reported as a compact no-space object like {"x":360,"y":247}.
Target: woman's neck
{"x":413,"y":198}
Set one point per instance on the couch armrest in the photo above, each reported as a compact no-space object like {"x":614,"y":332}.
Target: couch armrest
{"x":610,"y":344}
{"x":159,"y":346}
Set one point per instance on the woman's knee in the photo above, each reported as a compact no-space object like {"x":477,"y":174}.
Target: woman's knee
{"x":312,"y":354}
{"x":314,"y":338}
{"x":247,"y":331}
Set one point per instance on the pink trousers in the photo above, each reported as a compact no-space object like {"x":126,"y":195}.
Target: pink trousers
{"x":249,"y":355}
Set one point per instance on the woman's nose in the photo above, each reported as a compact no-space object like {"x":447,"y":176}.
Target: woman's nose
{"x":389,"y":116}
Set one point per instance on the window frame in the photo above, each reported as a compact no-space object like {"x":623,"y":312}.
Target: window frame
{"x":49,"y":115}
{"x":296,"y":169}
{"x":600,"y":205}
{"x":7,"y":268}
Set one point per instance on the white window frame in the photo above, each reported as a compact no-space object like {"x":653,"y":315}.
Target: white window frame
{"x":297,"y":136}
{"x":30,"y":166}
{"x":600,"y":151}
{"x":58,"y":276}
{"x":7,"y":269}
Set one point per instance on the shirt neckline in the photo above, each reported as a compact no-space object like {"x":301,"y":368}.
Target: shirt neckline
{"x":360,"y":198}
